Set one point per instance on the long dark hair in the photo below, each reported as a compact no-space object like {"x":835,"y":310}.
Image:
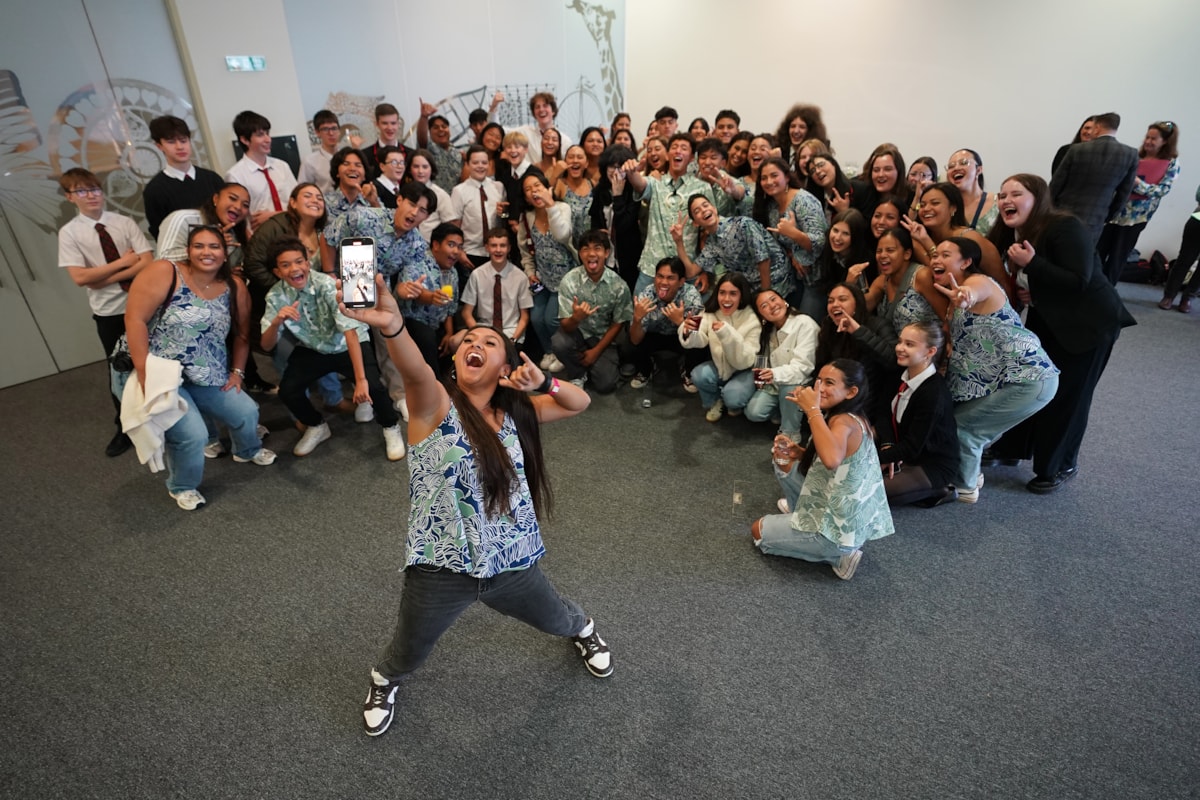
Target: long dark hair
{"x":953,"y":195}
{"x":768,"y":327}
{"x":854,"y":375}
{"x":497,"y":473}
{"x":208,"y":213}
{"x":812,"y":120}
{"x":1041,"y":216}
{"x":225,"y":273}
{"x":293,"y":216}
{"x":835,"y":266}
{"x":740,"y":283}
{"x":613,"y":156}
{"x":761,"y":200}
{"x":832,"y":344}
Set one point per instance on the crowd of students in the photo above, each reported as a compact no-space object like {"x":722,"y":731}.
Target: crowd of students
{"x":898,"y":332}
{"x":752,"y":258}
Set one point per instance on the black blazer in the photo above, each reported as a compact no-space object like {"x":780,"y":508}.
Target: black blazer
{"x":926,"y":436}
{"x":1093,"y":181}
{"x":1070,"y":291}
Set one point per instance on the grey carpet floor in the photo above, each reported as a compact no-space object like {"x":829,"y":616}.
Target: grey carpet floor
{"x":1025,"y":647}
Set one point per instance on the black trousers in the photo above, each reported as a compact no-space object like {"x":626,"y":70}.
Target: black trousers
{"x":1116,"y":243}
{"x":642,"y":355}
{"x":110,"y":330}
{"x":1189,"y":251}
{"x":1053,"y":435}
{"x":305,"y":366}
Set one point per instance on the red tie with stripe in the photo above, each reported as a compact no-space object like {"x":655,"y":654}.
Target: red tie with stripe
{"x":895,"y":406}
{"x":111,"y":253}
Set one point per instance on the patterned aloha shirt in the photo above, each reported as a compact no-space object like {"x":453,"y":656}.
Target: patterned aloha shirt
{"x":609,"y":295}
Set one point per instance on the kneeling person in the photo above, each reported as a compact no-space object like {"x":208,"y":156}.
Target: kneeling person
{"x":305,"y":303}
{"x":593,"y":306}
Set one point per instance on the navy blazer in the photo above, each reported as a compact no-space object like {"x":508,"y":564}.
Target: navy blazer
{"x":1094,"y":180}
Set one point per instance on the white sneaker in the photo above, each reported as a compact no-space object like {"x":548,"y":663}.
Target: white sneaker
{"x":580,"y":381}
{"x":214,"y":450}
{"x":263,"y":431}
{"x":846,"y":565}
{"x":715,"y":412}
{"x":555,"y":365}
{"x":189,"y":500}
{"x":312,"y":437}
{"x":401,"y":405}
{"x":971,"y":495}
{"x":364,"y":413}
{"x":782,"y":505}
{"x":394,"y":442}
{"x":546,"y":361}
{"x":264,"y":458}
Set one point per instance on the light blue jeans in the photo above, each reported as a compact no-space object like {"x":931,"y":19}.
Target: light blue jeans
{"x":544,"y":318}
{"x":779,"y":538}
{"x":982,"y":420}
{"x":186,"y":438}
{"x":736,"y":391}
{"x":764,"y":405}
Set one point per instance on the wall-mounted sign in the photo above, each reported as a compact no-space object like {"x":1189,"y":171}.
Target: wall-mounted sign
{"x":245,"y":63}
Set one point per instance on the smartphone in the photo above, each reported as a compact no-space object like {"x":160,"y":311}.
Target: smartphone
{"x":357,"y":259}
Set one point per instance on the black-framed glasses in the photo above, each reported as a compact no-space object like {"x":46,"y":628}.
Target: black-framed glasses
{"x":328,"y":129}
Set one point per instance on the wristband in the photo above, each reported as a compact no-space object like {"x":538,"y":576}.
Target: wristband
{"x":240,"y":373}
{"x":546,"y":384}
{"x":554,"y":387}
{"x":397,"y":333}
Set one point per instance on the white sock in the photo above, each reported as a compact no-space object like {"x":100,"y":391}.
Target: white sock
{"x":587,"y":630}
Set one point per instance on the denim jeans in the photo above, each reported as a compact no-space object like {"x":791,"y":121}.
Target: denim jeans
{"x":736,"y":391}
{"x":329,"y":385}
{"x":544,"y":318}
{"x":186,"y":438}
{"x":604,"y":372}
{"x":779,"y":538}
{"x":982,"y":420}
{"x":434,"y":598}
{"x":764,"y":405}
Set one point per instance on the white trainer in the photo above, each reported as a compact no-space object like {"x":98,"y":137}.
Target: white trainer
{"x":214,"y":450}
{"x":264,"y":458}
{"x":189,"y":500}
{"x":394,"y":441}
{"x":312,"y":437}
{"x":364,"y":413}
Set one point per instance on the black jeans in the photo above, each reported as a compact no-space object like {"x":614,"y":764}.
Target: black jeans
{"x":305,"y":366}
{"x":1116,"y":243}
{"x":110,"y":330}
{"x":1189,"y":251}
{"x":434,"y":598}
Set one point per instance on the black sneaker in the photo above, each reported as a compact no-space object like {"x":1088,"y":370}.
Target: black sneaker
{"x":380,"y":706}
{"x":594,"y":653}
{"x":260,"y":386}
{"x":119,"y":444}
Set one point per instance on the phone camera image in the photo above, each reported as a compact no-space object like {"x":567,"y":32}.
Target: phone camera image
{"x":357,"y":257}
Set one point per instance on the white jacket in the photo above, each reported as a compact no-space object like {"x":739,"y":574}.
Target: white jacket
{"x":147,"y":416}
{"x":792,"y":361}
{"x":734,"y":346}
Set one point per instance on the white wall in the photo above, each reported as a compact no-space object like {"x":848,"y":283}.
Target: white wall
{"x":213,"y":29}
{"x":1012,"y":80}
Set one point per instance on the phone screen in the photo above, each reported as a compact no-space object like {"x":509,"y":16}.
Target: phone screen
{"x":357,"y":258}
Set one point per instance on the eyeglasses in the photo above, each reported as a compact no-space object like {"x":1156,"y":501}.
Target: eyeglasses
{"x":423,"y":210}
{"x":395,"y":162}
{"x":961,"y":162}
{"x":328,"y":129}
{"x":91,"y":191}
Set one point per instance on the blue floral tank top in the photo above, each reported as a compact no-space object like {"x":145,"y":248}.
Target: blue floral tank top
{"x":581,"y":206}
{"x":193,"y":330}
{"x":910,"y":305}
{"x":448,"y":526}
{"x":553,"y":258}
{"x":991,"y":350}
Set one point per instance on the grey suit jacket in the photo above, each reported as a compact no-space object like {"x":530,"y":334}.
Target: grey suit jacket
{"x":1094,"y":180}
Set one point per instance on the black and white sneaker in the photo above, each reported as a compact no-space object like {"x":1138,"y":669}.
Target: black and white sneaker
{"x":380,"y":706}
{"x":594,"y":652}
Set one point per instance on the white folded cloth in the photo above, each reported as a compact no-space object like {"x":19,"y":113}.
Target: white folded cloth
{"x":146,"y":416}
